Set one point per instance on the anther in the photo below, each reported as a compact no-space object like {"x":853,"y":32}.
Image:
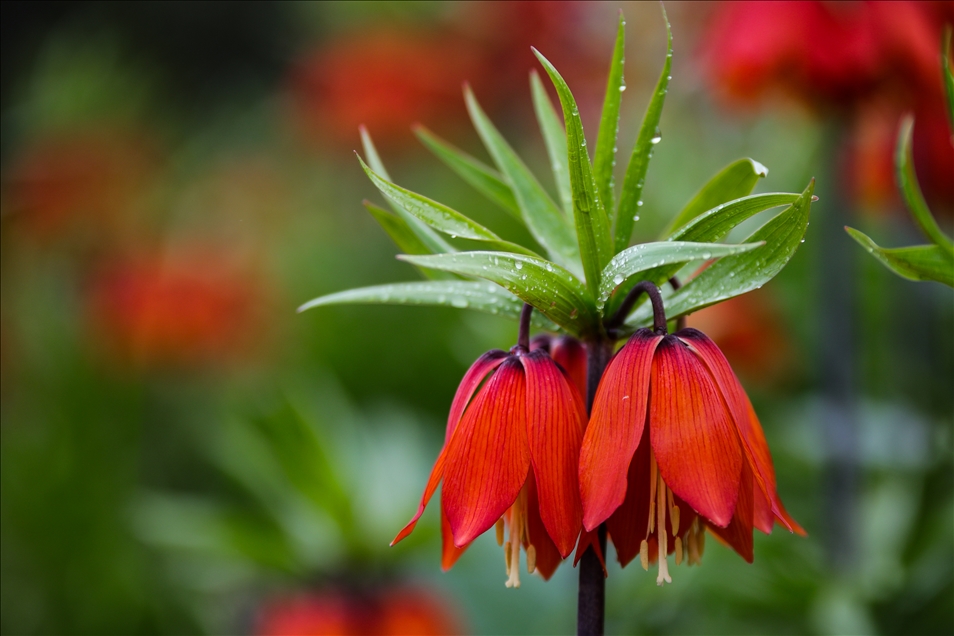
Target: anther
{"x":662,"y":535}
{"x":678,"y":551}
{"x":531,"y":559}
{"x":674,"y":519}
{"x":644,"y":554}
{"x":500,"y":531}
{"x":507,"y":557}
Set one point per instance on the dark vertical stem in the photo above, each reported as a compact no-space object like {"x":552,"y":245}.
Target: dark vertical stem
{"x":523,"y":336}
{"x":591,"y":604}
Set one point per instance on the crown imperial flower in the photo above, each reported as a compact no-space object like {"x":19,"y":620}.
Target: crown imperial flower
{"x":670,"y":413}
{"x":510,"y":457}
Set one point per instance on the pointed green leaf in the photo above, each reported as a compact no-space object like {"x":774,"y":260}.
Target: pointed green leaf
{"x":918,"y":262}
{"x":483,"y":178}
{"x":911,"y":191}
{"x":735,"y":275}
{"x":477,"y":295}
{"x":554,"y":138}
{"x":428,"y":236}
{"x":592,"y":224}
{"x":604,"y":159}
{"x":438,"y":215}
{"x":635,"y":261}
{"x":539,"y":213}
{"x":552,"y":290}
{"x":402,"y":235}
{"x":734,"y":181}
{"x":712,"y":226}
{"x":649,"y":136}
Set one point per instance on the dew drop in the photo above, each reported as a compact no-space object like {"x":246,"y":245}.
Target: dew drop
{"x":618,"y":279}
{"x":706,"y":255}
{"x":636,"y":218}
{"x":639,"y":204}
{"x":460,"y":303}
{"x":656,"y":139}
{"x":622,"y":87}
{"x":549,"y":267}
{"x":519,"y":265}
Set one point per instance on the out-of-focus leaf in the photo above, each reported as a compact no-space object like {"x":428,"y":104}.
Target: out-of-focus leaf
{"x":402,"y":235}
{"x":483,"y":178}
{"x":552,"y":290}
{"x":438,"y":215}
{"x":911,"y":191}
{"x":554,"y":138}
{"x":478,"y":295}
{"x":649,"y":136}
{"x":734,"y":181}
{"x":919,"y":262}
{"x":427,"y":236}
{"x":645,"y":257}
{"x":604,"y":158}
{"x":592,"y":224}
{"x":712,"y":226}
{"x":735,"y":275}
{"x":948,"y":75}
{"x":540,"y":213}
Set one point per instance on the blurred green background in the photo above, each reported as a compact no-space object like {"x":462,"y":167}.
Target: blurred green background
{"x":183,"y":453}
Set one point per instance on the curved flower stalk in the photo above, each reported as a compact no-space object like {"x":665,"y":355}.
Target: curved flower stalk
{"x":510,"y":458}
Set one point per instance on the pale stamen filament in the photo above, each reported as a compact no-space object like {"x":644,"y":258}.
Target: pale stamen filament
{"x":662,"y":535}
{"x":518,"y":530}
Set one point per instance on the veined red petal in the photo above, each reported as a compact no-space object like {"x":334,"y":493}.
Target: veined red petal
{"x":487,"y":456}
{"x":547,"y":555}
{"x":436,"y":474}
{"x":449,"y":552}
{"x":628,"y":524}
{"x":556,"y":418}
{"x":747,"y":423}
{"x":762,"y":516}
{"x":570,"y":354}
{"x":696,"y":445}
{"x":472,"y":379}
{"x":615,"y":428}
{"x":738,"y":534}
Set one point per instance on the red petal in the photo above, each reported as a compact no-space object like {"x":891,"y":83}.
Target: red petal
{"x":449,"y":552}
{"x":628,"y":524}
{"x":747,"y":423}
{"x":762,"y":516}
{"x":738,"y":534}
{"x":570,"y":354}
{"x":487,"y":457}
{"x":436,"y":473}
{"x":556,"y":418}
{"x":696,"y":446}
{"x":616,"y":425}
{"x":472,"y":379}
{"x":548,"y":557}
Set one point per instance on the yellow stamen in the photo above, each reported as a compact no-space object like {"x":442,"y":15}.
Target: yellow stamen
{"x":507,"y":557}
{"x":644,"y":554}
{"x":531,"y":559}
{"x":662,"y":535}
{"x":500,"y":531}
{"x":673,"y":512}
{"x":678,"y":551}
{"x":652,"y":492}
{"x":693,"y":542}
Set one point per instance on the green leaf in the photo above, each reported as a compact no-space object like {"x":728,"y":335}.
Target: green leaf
{"x":735,"y":275}
{"x":540,"y":213}
{"x":478,"y":295}
{"x":554,"y":138}
{"x":646,"y":257}
{"x":919,"y":262}
{"x":552,"y":290}
{"x":592,"y":224}
{"x":402,"y":235}
{"x":911,"y":191}
{"x":604,"y":159}
{"x":438,"y":215}
{"x":948,"y":74}
{"x":483,"y":178}
{"x":427,"y":236}
{"x":712,"y":226}
{"x":649,"y":136}
{"x":734,"y":181}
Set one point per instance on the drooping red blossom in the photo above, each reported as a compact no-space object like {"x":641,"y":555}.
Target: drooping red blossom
{"x":674,"y":448}
{"x":188,"y":308}
{"x":385,"y":612}
{"x":569,"y":353}
{"x":510,"y":456}
{"x":866,"y":63}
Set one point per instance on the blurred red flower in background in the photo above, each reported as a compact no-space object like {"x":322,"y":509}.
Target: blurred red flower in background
{"x":384,"y":612}
{"x":391,"y":76}
{"x":867,"y":61}
{"x":196,"y":306}
{"x":88,"y":180}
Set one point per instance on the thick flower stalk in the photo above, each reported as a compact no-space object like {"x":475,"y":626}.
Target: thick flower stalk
{"x":674,"y":448}
{"x":510,"y":458}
